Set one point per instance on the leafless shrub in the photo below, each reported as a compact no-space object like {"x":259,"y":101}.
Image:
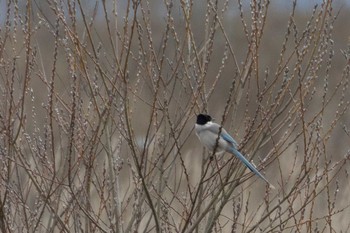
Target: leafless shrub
{"x":98,"y":103}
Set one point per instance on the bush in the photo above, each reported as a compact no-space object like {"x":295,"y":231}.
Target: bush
{"x":99,"y":102}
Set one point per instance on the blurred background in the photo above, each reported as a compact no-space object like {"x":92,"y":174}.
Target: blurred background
{"x":99,"y":100}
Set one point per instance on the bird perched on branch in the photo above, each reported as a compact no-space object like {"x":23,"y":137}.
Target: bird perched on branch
{"x":214,"y":137}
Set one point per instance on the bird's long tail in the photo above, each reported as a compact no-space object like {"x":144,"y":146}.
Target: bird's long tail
{"x":249,"y":165}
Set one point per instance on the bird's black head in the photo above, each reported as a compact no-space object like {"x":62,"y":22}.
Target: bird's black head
{"x":202,"y":119}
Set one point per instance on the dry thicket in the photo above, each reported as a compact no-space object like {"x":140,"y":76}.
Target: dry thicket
{"x":98,"y":103}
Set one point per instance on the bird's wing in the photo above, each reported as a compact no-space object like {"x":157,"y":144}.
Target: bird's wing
{"x":215,"y":128}
{"x":228,"y":138}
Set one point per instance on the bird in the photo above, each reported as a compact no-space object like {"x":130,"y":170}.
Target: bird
{"x":208,"y":134}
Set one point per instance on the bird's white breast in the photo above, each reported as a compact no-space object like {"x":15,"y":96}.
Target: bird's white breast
{"x":209,"y":139}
